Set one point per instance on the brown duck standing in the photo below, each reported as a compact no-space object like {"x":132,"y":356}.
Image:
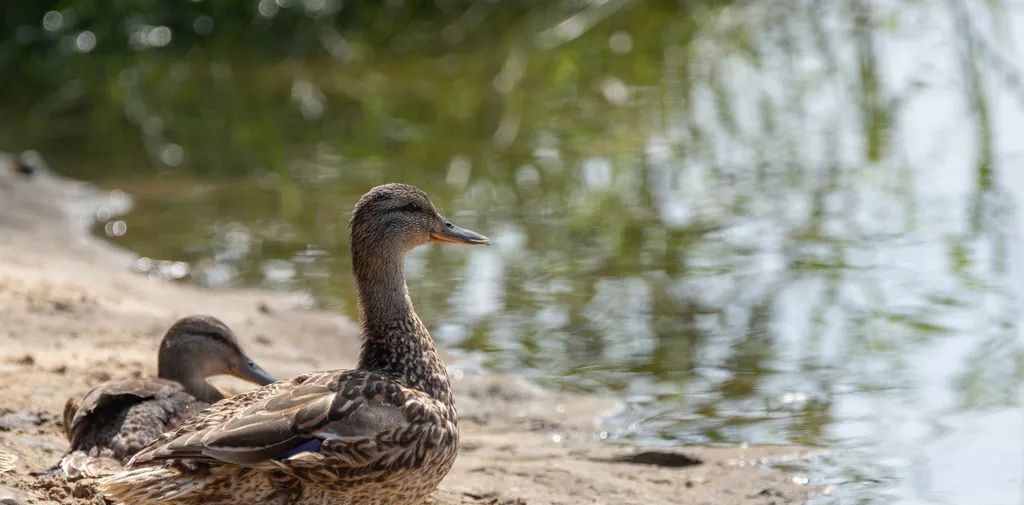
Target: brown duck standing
{"x":384,"y":433}
{"x":118,"y":418}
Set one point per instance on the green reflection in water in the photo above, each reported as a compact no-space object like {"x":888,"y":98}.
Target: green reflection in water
{"x":727,"y":214}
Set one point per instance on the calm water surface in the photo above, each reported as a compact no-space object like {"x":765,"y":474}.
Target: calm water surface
{"x":764,"y":222}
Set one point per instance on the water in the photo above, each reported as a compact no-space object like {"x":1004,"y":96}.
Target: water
{"x":766,"y":222}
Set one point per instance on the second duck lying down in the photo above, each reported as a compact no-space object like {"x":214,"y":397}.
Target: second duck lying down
{"x":116,"y":419}
{"x":384,"y":433}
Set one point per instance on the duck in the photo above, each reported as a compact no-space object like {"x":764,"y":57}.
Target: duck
{"x":384,"y":433}
{"x":115,"y":419}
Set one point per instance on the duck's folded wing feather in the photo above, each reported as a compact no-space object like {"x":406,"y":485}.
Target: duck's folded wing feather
{"x":327,"y":406}
{"x":123,"y":393}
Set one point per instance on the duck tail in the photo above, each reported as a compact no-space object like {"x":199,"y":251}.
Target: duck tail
{"x":70,"y":409}
{"x":79,"y":465}
{"x":152,"y":484}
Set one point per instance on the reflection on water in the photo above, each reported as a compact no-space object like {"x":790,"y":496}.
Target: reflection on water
{"x":781,"y":222}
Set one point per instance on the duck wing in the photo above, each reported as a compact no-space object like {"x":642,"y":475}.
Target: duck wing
{"x":78,"y":417}
{"x":287,"y":418}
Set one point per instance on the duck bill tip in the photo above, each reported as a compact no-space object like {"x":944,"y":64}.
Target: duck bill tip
{"x":255,"y":374}
{"x":460,"y":236}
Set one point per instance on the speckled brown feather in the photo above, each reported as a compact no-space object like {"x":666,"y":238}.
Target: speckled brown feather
{"x":373,"y":429}
{"x":116,"y":419}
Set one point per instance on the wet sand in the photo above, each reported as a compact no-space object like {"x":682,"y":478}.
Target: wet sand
{"x":73,"y":313}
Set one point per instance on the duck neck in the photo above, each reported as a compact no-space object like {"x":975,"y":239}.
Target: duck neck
{"x":395,"y":341}
{"x":202,"y":390}
{"x":194,"y":385}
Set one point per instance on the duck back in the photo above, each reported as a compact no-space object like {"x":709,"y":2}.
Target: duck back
{"x":117,"y":419}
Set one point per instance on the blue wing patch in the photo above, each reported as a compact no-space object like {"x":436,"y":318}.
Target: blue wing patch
{"x":309,"y":446}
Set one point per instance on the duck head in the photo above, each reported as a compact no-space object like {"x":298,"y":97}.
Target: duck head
{"x":389,"y":221}
{"x":197,"y":347}
{"x":394,"y":218}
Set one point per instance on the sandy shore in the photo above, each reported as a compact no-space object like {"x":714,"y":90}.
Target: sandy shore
{"x":74,"y":313}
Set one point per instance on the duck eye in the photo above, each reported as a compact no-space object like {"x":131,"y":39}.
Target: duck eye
{"x":410,"y":207}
